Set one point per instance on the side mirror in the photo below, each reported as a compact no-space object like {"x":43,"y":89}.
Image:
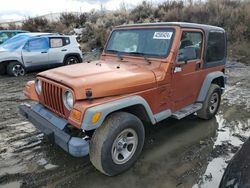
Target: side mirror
{"x":186,"y":54}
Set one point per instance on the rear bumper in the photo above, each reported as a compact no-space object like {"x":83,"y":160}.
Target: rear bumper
{"x":53,"y":126}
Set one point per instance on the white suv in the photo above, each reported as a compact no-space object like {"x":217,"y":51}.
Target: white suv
{"x":30,"y":51}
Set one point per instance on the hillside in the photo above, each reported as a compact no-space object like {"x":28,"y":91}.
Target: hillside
{"x":232,"y":15}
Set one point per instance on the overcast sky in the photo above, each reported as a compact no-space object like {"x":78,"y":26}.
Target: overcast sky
{"x":20,"y":9}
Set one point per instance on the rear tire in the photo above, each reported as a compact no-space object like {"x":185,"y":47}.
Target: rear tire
{"x":71,"y":60}
{"x":211,"y":103}
{"x":116,"y":145}
{"x":15,"y":69}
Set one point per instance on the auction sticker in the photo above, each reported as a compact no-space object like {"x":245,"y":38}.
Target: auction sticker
{"x":162,"y":35}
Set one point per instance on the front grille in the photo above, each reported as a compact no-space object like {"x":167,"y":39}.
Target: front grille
{"x":52,"y":98}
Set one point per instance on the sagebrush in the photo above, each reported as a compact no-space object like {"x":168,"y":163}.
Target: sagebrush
{"x":232,"y":15}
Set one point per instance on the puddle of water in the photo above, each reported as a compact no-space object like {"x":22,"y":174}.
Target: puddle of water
{"x":232,"y":135}
{"x":185,"y":153}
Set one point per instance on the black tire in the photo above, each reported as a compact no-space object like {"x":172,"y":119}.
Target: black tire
{"x":15,"y":69}
{"x":105,"y":143}
{"x":211,"y":103}
{"x":2,"y":69}
{"x":71,"y":60}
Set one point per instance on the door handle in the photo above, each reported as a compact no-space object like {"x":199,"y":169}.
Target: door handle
{"x":177,"y":69}
{"x":64,"y":50}
{"x":44,"y":52}
{"x":198,"y":66}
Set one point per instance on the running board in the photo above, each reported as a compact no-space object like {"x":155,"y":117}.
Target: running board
{"x":186,"y":111}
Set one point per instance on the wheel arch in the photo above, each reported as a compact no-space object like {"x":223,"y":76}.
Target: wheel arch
{"x":219,"y":81}
{"x":135,"y":105}
{"x":139,"y":111}
{"x":78,"y":56}
{"x":215,"y":78}
{"x":5,"y":62}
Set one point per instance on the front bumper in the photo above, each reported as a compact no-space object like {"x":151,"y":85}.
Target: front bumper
{"x":53,"y":126}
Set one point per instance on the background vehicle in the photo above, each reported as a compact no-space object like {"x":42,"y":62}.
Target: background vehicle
{"x":7,"y":34}
{"x":32,"y":51}
{"x":146,"y":73}
{"x":238,"y":170}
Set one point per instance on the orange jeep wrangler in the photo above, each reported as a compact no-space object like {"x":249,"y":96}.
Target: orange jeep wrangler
{"x":146,"y":73}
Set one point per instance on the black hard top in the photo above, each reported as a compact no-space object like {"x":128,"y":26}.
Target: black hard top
{"x":179,"y":24}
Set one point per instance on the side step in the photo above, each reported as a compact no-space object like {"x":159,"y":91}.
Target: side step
{"x":186,"y":111}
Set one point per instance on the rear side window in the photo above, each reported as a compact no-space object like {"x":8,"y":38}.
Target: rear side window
{"x":215,"y":46}
{"x":56,"y":42}
{"x":66,"y":41}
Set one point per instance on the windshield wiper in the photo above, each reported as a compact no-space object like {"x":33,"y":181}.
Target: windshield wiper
{"x":141,"y":54}
{"x":118,"y":53}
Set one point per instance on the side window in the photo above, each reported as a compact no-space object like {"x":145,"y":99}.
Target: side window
{"x":56,"y":42}
{"x":215,"y":46}
{"x":11,"y":34}
{"x":37,"y":44}
{"x":66,"y":41}
{"x":191,"y":40}
{"x":3,"y":36}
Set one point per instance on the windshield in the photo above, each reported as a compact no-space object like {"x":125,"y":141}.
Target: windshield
{"x":153,"y":42}
{"x":15,"y":42}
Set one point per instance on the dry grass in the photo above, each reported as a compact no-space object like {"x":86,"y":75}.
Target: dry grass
{"x":232,"y":15}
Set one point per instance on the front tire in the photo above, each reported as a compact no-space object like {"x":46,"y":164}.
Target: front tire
{"x":15,"y":69}
{"x":117,"y":144}
{"x":211,"y":103}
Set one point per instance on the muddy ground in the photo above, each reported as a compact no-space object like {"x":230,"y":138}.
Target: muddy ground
{"x":186,"y":153}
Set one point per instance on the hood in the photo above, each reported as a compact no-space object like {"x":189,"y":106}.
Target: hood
{"x":103,"y":78}
{"x":3,"y":49}
{"x":8,"y":55}
{"x":4,"y":54}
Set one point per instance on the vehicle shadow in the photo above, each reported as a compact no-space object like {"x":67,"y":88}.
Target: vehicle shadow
{"x":163,"y":162}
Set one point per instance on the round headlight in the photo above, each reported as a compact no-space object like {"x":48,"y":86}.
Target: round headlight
{"x":38,"y":87}
{"x":68,"y":100}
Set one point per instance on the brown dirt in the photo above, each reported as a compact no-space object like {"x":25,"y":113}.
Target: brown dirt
{"x":185,"y":153}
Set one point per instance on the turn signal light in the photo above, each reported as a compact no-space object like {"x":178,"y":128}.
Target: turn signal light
{"x":76,"y":114}
{"x":96,"y":117}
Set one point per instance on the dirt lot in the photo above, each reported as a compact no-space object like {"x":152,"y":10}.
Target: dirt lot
{"x":186,"y":153}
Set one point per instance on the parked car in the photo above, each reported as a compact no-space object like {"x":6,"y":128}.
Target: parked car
{"x":146,"y":73}
{"x":7,"y":34}
{"x":237,"y":172}
{"x":32,"y":51}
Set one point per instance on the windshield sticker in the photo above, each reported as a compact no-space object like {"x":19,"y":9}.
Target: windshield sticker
{"x":162,"y":35}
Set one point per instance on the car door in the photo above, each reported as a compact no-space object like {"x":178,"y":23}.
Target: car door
{"x":35,"y":52}
{"x":57,"y":50}
{"x":185,"y":79}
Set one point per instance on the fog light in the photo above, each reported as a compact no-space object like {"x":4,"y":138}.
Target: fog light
{"x":76,"y":114}
{"x":96,"y":117}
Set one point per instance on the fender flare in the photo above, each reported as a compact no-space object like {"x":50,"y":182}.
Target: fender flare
{"x":113,"y":106}
{"x":207,"y":82}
